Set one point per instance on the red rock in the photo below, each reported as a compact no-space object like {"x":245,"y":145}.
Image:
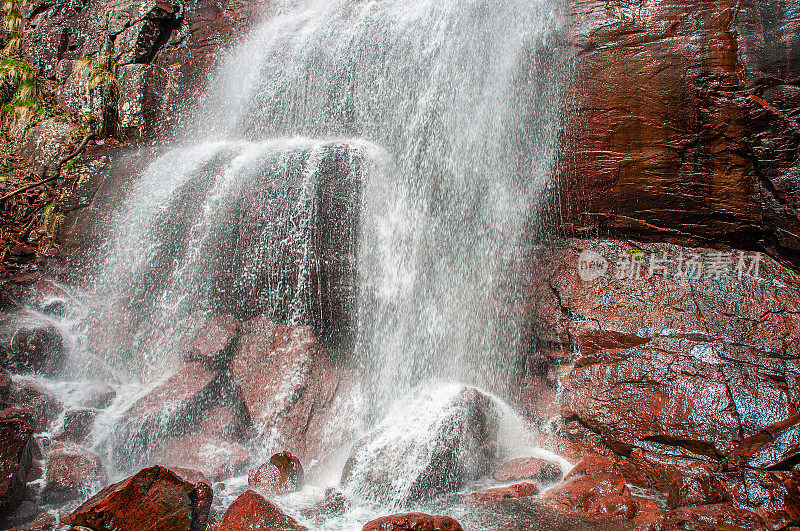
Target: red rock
{"x":154,"y":498}
{"x":73,"y":473}
{"x":708,"y":518}
{"x":215,"y":457}
{"x":16,"y":456}
{"x":272,"y":364}
{"x":24,"y":412}
{"x":292,"y":389}
{"x":221,"y":422}
{"x":520,"y":490}
{"x":541,"y":470}
{"x":251,"y":511}
{"x":281,"y":474}
{"x":595,"y":489}
{"x":170,"y":409}
{"x":44,"y":402}
{"x":412,"y":522}
{"x":43,"y":522}
{"x":78,"y":424}
{"x":706,"y":489}
{"x":212,"y":340}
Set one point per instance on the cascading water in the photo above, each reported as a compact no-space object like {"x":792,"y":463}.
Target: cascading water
{"x":422,"y":134}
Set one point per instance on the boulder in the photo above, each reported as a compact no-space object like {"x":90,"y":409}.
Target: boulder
{"x":45,"y":403}
{"x":73,"y":472}
{"x":77,"y":425}
{"x":540,"y":470}
{"x":412,"y":522}
{"x":38,"y":348}
{"x":595,"y":489}
{"x":292,"y":390}
{"x":154,"y":498}
{"x":16,"y":457}
{"x":213,"y":341}
{"x":425,"y":448}
{"x":170,"y":409}
{"x":216,"y":458}
{"x":252,"y":511}
{"x":518,"y":490}
{"x":49,"y":297}
{"x":281,"y":474}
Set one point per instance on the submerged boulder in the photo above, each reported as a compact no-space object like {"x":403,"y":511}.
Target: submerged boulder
{"x":429,"y":445}
{"x":253,"y":512}
{"x":154,"y":498}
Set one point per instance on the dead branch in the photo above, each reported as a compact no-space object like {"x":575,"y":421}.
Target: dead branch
{"x":80,"y":149}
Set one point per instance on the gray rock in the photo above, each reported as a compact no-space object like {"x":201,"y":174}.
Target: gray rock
{"x":141,"y":92}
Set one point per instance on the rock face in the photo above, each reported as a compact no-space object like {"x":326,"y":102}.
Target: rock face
{"x":412,"y":522}
{"x":252,"y":511}
{"x":686,"y":127}
{"x":16,"y":455}
{"x":155,"y":498}
{"x":676,"y":378}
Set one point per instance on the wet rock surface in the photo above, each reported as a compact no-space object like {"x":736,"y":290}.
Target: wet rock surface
{"x":518,"y":490}
{"x":16,"y":456}
{"x":594,"y":488}
{"x":155,"y":497}
{"x":281,"y":474}
{"x":686,"y":122}
{"x":253,"y":511}
{"x":533,"y":468}
{"x":676,"y":379}
{"x":388,"y":465}
{"x":73,"y":473}
{"x":413,"y":522}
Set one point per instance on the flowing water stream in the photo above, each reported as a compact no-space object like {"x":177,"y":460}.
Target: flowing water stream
{"x":417,"y":140}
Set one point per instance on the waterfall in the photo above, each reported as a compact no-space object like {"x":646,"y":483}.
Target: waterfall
{"x":413,"y":141}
